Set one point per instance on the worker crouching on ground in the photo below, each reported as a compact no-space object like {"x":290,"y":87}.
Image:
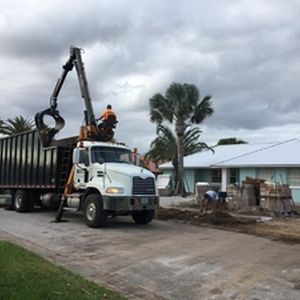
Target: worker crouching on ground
{"x":209,"y":200}
{"x":108,"y":118}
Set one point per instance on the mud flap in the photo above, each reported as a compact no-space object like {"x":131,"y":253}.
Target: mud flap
{"x":60,"y":211}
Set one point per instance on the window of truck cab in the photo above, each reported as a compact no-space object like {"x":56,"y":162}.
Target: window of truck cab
{"x":111,"y":155}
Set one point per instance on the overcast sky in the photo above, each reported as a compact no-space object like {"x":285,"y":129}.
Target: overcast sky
{"x":245,"y":54}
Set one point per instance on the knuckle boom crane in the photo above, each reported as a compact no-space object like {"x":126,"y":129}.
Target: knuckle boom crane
{"x":88,"y":132}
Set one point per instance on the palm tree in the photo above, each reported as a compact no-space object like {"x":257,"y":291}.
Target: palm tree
{"x":164,"y":147}
{"x":182,"y":105}
{"x":16,"y":125}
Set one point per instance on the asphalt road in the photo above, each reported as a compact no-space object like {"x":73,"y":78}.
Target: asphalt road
{"x":162,"y":260}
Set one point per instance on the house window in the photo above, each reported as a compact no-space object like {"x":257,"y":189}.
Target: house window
{"x":293,"y":176}
{"x":266,"y":174}
{"x":234,"y":176}
{"x":216,"y":175}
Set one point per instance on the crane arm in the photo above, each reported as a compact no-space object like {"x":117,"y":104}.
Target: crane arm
{"x":79,"y":65}
{"x":47,"y":134}
{"x":66,"y":69}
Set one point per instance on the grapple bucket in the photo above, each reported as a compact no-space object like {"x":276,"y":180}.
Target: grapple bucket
{"x":45,"y":132}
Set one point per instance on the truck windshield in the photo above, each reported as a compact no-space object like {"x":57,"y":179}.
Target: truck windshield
{"x":110,"y":154}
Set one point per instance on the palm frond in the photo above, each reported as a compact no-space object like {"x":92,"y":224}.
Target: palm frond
{"x":17,"y":125}
{"x":160,"y":109}
{"x":193,"y":95}
{"x":191,"y":141}
{"x":203,"y":110}
{"x":164,"y":146}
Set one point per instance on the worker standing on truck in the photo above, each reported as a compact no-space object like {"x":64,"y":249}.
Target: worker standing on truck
{"x":108,"y":117}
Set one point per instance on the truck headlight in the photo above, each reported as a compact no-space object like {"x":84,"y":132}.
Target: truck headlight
{"x":115,"y":190}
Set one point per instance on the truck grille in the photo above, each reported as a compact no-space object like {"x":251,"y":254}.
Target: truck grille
{"x":142,"y":186}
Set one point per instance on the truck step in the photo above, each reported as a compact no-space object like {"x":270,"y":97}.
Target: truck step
{"x":66,"y":208}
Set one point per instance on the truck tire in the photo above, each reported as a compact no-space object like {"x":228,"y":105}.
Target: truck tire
{"x":143,"y":217}
{"x":94,"y":215}
{"x":21,"y":201}
{"x":12,"y":205}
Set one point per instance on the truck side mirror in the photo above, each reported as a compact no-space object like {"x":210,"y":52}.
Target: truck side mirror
{"x":76,"y":156}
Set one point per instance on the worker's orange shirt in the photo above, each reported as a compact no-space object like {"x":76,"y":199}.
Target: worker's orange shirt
{"x":107,"y":113}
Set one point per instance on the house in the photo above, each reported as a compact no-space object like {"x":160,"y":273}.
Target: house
{"x":228,"y":164}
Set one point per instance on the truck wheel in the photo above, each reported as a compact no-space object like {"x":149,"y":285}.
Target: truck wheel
{"x":21,"y":201}
{"x":94,"y":215}
{"x":11,"y":206}
{"x":143,"y":217}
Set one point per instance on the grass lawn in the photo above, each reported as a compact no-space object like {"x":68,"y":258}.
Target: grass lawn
{"x":25,"y":275}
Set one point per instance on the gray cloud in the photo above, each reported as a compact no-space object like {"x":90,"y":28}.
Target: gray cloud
{"x":243,"y":53}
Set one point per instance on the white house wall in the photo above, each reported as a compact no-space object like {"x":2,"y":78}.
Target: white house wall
{"x":188,"y":177}
{"x":225,"y":179}
{"x":247,"y":172}
{"x":189,"y":180}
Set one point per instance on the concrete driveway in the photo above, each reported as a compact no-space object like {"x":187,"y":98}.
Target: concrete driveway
{"x":162,"y":260}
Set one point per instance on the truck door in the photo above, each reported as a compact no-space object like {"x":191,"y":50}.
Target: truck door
{"x":81,"y":176}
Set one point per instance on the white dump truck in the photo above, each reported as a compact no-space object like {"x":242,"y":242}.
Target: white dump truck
{"x":89,"y":173}
{"x":111,"y":184}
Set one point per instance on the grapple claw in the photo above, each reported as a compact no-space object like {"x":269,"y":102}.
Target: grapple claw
{"x":46,"y":133}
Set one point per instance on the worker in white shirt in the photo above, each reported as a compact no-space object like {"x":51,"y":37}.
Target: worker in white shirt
{"x":210,"y":198}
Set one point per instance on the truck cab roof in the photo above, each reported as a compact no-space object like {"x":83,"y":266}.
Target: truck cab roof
{"x":89,"y":144}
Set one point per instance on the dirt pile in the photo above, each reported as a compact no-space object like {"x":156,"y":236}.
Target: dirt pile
{"x":222,"y":218}
{"x":286,"y":230}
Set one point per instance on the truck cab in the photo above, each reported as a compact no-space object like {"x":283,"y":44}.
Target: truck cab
{"x":107,"y":183}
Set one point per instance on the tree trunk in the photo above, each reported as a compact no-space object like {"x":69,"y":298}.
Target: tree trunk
{"x":180,"y":154}
{"x":175,"y":166}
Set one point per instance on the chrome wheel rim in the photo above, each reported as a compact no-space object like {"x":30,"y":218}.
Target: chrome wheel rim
{"x":91,"y":211}
{"x":18,"y":201}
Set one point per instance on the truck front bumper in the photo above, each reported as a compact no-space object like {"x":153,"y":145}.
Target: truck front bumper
{"x":132,"y":203}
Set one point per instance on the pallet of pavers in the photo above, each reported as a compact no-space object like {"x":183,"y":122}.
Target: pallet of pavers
{"x":276,"y":197}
